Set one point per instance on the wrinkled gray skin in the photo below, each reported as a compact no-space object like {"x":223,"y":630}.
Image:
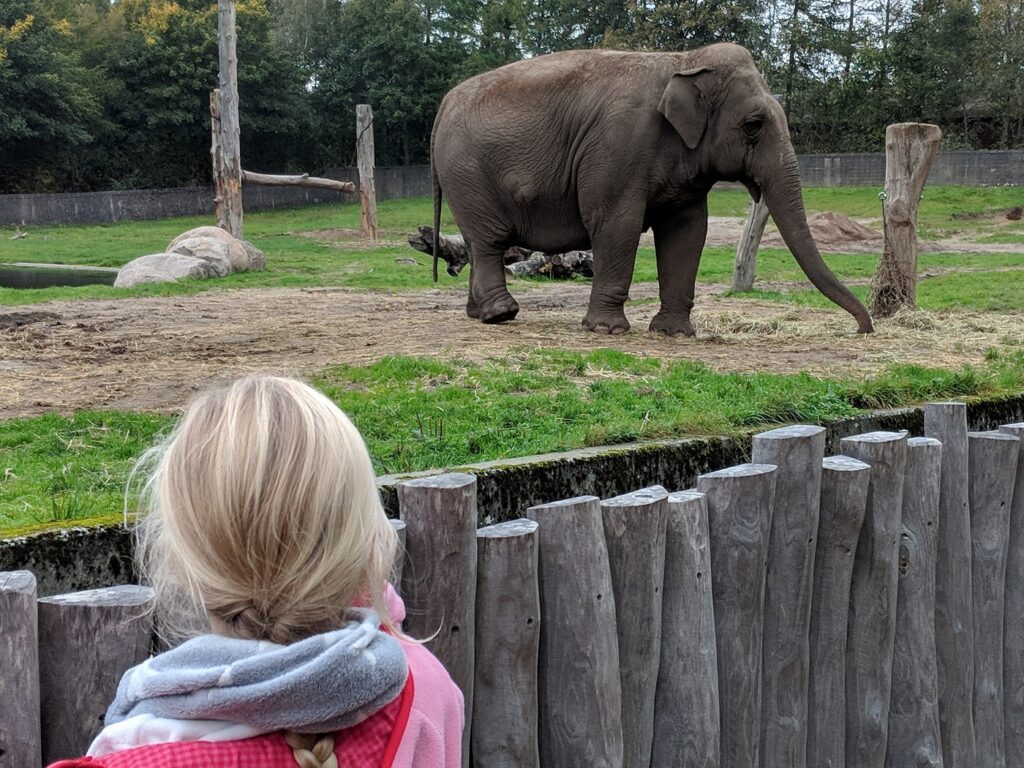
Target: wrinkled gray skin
{"x":587,"y":149}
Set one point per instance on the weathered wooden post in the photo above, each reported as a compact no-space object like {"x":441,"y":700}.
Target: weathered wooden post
{"x":745,"y":267}
{"x":687,"y":731}
{"x":910,"y":149}
{"x":954,"y":614}
{"x":914,"y":706}
{"x":739,"y":521}
{"x":507,"y":642}
{"x":20,"y":736}
{"x":797,"y":451}
{"x":87,"y":640}
{"x":1013,"y":616}
{"x":228,"y":184}
{"x":439,"y":581}
{"x":993,"y":469}
{"x":634,"y":532}
{"x":399,"y":564}
{"x":580,"y":691}
{"x":844,"y":497}
{"x":872,"y":627}
{"x":365,"y":161}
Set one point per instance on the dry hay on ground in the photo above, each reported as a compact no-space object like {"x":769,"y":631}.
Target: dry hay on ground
{"x":152,"y":353}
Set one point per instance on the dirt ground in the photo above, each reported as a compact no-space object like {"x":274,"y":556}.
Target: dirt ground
{"x":152,"y":353}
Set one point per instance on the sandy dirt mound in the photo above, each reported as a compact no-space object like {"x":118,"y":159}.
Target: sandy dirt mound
{"x":835,"y":232}
{"x":152,"y":353}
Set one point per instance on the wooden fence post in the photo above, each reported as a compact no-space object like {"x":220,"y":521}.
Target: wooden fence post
{"x":365,"y":161}
{"x":954,"y":612}
{"x":910,"y":149}
{"x":399,"y":565}
{"x":439,"y":579}
{"x":228,"y":186}
{"x":20,"y":735}
{"x":993,"y":469}
{"x":634,"y":533}
{"x":687,"y":731}
{"x":507,"y":643}
{"x":739,"y":521}
{"x":580,"y":691}
{"x":914,"y":705}
{"x":844,"y":498}
{"x":872,"y":628}
{"x":1013,"y":632}
{"x":87,"y":640}
{"x":797,"y":451}
{"x":745,"y":267}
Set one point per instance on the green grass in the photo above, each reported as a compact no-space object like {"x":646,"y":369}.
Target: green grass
{"x":296,"y":261}
{"x":422,"y":413}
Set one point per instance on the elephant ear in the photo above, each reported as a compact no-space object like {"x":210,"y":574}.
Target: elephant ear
{"x":684,"y":106}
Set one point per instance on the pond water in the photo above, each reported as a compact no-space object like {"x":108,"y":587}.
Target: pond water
{"x":25,"y":275}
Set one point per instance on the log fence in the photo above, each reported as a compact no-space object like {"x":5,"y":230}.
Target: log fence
{"x":797,"y":610}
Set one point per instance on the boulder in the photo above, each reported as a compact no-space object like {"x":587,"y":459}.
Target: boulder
{"x":162,"y":268}
{"x":242,"y":256}
{"x":208,"y":249}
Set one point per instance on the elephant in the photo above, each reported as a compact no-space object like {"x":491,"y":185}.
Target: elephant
{"x":588,"y":149}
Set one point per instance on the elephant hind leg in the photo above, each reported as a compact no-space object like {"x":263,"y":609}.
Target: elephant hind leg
{"x":489,"y":295}
{"x":614,"y":258}
{"x":678,"y":243}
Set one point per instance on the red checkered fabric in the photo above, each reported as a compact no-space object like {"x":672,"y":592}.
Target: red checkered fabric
{"x":371,"y":744}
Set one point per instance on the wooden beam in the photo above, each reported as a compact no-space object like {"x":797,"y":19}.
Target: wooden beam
{"x":305,"y":180}
{"x":229,"y":185}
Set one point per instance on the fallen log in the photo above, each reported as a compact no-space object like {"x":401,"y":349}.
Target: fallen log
{"x":304,"y":180}
{"x":518,"y":261}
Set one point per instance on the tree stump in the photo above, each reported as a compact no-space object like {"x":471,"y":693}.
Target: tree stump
{"x":910,"y":149}
{"x":228,"y":168}
{"x":746,"y":249}
{"x":365,"y":161}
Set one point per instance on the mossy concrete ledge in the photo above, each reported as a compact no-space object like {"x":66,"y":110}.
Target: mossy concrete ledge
{"x":88,"y":557}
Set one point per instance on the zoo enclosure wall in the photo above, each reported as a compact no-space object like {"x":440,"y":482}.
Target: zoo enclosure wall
{"x":651,"y":630}
{"x":967,"y":167}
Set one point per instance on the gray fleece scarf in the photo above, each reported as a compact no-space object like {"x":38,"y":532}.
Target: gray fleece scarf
{"x":317,"y":685}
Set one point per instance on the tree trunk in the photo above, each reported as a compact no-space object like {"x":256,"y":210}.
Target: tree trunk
{"x":228,"y":184}
{"x":910,"y":149}
{"x":364,"y":158}
{"x":746,"y":249}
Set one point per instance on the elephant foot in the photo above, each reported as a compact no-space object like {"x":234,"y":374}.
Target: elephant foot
{"x":500,"y":311}
{"x":606,"y":322}
{"x":672,"y":325}
{"x":472,"y":310}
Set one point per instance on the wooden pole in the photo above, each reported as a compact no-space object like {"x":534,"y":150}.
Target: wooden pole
{"x":844,"y":497}
{"x":797,"y":451}
{"x":507,"y":644}
{"x":910,"y":149}
{"x":739,"y":521}
{"x":365,"y":161}
{"x":229,"y":185}
{"x":687,"y":731}
{"x":872,"y":628}
{"x":634,"y":532}
{"x":1013,"y":616}
{"x":580,"y":691}
{"x":914,"y":706}
{"x":87,"y":641}
{"x":745,"y":268}
{"x":20,"y":736}
{"x":993,"y":470}
{"x":439,"y":581}
{"x":954,"y":612}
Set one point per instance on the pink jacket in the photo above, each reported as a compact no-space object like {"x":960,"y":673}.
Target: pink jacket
{"x":430,"y":727}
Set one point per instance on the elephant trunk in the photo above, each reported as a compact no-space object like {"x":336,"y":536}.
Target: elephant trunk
{"x":782,"y":194}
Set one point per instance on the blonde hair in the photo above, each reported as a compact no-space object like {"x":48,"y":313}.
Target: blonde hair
{"x":263,"y":512}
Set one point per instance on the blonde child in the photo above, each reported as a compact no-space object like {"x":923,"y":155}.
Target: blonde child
{"x":263,"y":512}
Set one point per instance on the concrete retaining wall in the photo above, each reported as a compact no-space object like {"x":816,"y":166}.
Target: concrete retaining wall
{"x":969,"y":168}
{"x":85,"y":558}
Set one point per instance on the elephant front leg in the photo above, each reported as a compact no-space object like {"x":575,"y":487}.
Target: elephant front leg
{"x":678,"y":242}
{"x":614,"y":259}
{"x":489,"y":298}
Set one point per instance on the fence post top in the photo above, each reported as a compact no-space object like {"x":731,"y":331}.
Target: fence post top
{"x":682,"y":497}
{"x":993,"y":434}
{"x":793,"y":430}
{"x":916,"y":442}
{"x":742,"y":470}
{"x":122,"y":595}
{"x":844,"y":464}
{"x":644,"y":495}
{"x":17,"y":581}
{"x":877,"y":437}
{"x":509,"y":529}
{"x":448,"y":480}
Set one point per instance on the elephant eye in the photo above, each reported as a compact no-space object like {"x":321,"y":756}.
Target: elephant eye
{"x":752,"y":127}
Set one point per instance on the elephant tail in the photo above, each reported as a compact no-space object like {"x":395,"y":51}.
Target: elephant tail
{"x":436,"y":185}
